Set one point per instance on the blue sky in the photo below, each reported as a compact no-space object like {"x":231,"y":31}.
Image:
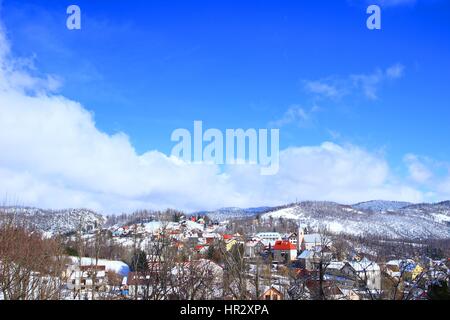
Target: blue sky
{"x":311,"y":68}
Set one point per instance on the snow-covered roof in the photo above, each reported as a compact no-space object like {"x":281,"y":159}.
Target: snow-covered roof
{"x":211,"y":235}
{"x":405,"y":265}
{"x":364,"y":265}
{"x":253,"y":243}
{"x":268,"y":235}
{"x":336,"y":265}
{"x":394,"y":263}
{"x":118,"y":267}
{"x":306,"y":254}
{"x":312,"y":238}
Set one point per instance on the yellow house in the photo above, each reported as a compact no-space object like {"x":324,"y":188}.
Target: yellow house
{"x":416,"y":272}
{"x":229,"y":244}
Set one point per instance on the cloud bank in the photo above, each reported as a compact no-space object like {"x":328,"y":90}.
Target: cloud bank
{"x":52,"y":155}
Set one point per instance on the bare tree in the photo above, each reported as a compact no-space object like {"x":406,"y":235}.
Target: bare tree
{"x":30,"y":265}
{"x":236,"y":270}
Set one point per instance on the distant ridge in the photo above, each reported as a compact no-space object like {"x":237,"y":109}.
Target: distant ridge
{"x":381,"y":205}
{"x":233,"y":212}
{"x":391,"y":219}
{"x":53,"y":222}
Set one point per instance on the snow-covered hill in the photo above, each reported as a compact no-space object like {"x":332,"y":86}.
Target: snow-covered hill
{"x":412,"y":221}
{"x":52,"y":222}
{"x":233,"y":213}
{"x":378,"y":218}
{"x":381,"y":206}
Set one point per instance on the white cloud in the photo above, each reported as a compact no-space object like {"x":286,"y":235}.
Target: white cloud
{"x":418,"y":171}
{"x":396,"y":71}
{"x":431,"y":174}
{"x":328,"y":172}
{"x":295,"y":115}
{"x":367,"y":84}
{"x":53,"y":155}
{"x":321,"y":88}
{"x":444,"y":188}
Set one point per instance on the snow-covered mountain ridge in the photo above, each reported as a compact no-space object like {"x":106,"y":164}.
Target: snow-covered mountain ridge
{"x":52,"y":222}
{"x":413,"y":221}
{"x":388,"y":219}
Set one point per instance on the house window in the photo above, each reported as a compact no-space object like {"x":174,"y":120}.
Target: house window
{"x":267,"y":297}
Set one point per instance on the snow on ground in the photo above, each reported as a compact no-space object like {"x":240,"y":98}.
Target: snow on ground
{"x":439,"y":217}
{"x":154,"y":226}
{"x":288,"y":214}
{"x":336,"y":227}
{"x":426,"y":221}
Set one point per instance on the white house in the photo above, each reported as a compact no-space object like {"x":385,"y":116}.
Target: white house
{"x":291,"y":237}
{"x":367,"y":271}
{"x":269,"y":237}
{"x":310,"y":241}
{"x":81,"y":278}
{"x":253,"y":248}
{"x":88,"y":273}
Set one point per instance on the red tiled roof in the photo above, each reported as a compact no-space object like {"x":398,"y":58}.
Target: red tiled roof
{"x":227,"y":236}
{"x":284,"y":245}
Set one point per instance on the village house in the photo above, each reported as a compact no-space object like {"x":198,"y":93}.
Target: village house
{"x":137,"y":285}
{"x":269,"y":238}
{"x":350,"y":294}
{"x":407,"y":269}
{"x":229,"y":244}
{"x":307,"y":260}
{"x":417,"y":272}
{"x":365,"y":271}
{"x":393,"y":268}
{"x":331,"y":291}
{"x":227,"y":237}
{"x":291,"y":237}
{"x":284,"y":251}
{"x":310,"y":259}
{"x":210,"y":238}
{"x":310,"y":241}
{"x":86,"y":278}
{"x":271,"y":293}
{"x":87,"y":274}
{"x":201,"y":249}
{"x":253,"y":248}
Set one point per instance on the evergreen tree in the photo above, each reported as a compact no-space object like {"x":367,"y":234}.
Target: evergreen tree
{"x":139,"y":262}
